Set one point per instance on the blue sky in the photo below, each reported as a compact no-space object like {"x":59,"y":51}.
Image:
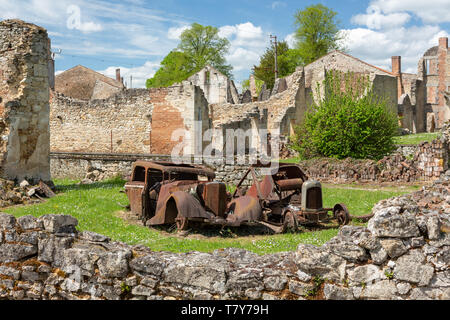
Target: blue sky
{"x":135,"y":35}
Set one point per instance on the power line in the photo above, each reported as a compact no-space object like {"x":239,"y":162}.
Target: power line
{"x":276,"y":55}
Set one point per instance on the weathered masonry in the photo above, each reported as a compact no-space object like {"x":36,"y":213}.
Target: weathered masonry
{"x":132,"y":121}
{"x":403,"y":254}
{"x":422,"y":103}
{"x":24,"y":101}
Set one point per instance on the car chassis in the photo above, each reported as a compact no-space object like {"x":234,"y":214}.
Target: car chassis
{"x":162,"y":193}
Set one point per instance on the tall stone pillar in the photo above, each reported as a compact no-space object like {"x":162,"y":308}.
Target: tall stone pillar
{"x":24,"y":102}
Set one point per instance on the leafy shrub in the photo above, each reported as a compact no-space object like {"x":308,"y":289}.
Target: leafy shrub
{"x":350,"y":120}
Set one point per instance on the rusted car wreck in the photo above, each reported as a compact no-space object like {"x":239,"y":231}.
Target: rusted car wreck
{"x":162,"y":193}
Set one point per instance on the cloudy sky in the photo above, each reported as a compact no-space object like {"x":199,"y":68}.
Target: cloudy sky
{"x":135,"y":35}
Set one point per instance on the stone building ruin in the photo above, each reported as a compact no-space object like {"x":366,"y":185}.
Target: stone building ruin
{"x":215,"y":85}
{"x":426,"y":89}
{"x":25,"y":61}
{"x":83,"y":83}
{"x":107,"y":118}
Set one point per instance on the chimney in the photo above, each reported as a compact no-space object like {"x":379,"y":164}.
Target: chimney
{"x":397,"y":71}
{"x":118,"y":75}
{"x":396,"y":65}
{"x":443,"y":43}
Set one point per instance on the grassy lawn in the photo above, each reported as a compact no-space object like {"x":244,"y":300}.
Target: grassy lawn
{"x":96,"y":206}
{"x":416,"y":138}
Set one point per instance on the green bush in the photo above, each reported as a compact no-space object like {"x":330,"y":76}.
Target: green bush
{"x":350,"y":120}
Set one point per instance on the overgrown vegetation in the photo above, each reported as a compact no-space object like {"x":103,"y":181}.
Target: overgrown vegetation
{"x":288,"y":60}
{"x":199,"y":46}
{"x":318,"y":32}
{"x":96,"y":207}
{"x":349,"y":120}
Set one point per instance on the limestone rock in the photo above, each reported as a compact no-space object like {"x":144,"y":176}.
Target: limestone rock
{"x":51,"y":248}
{"x":433,"y":228}
{"x":345,"y":248}
{"x":149,"y":265}
{"x":381,"y":290}
{"x":412,"y":267}
{"x":365,"y":274}
{"x":29,"y":222}
{"x":201,"y":270}
{"x":299,"y":288}
{"x":10,"y":252}
{"x":114,"y":264}
{"x":92,"y":236}
{"x":333,"y":292}
{"x":391,"y":222}
{"x":394,"y":247}
{"x":59,"y":223}
{"x":7,"y":221}
{"x":320,"y":262}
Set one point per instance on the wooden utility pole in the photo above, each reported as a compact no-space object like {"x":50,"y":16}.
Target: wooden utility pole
{"x":276,"y":54}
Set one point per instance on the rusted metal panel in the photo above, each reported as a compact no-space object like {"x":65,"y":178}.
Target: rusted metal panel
{"x":280,"y":201}
{"x":134,"y":192}
{"x":179,"y":204}
{"x":244,"y":208}
{"x":215,"y":198}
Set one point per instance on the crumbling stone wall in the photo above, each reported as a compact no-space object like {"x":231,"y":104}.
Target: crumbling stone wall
{"x":24,"y":101}
{"x":403,"y":254}
{"x":426,"y":163}
{"x":215,"y":85}
{"x":181,"y":106}
{"x":118,"y":124}
{"x":277,"y":115}
{"x":132,"y":121}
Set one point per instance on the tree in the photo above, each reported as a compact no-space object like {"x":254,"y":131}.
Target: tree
{"x":203,"y":46}
{"x":350,"y":120}
{"x":288,"y":60}
{"x":175,"y":67}
{"x":258,"y":83}
{"x":318,"y":32}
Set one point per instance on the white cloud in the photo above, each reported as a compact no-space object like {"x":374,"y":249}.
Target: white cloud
{"x":174,"y":33}
{"x":278,"y":4}
{"x":375,"y":19}
{"x":430,"y":11}
{"x":248,"y":42}
{"x":140,"y":74}
{"x":290,"y":39}
{"x":377,"y":47}
{"x":387,"y":32}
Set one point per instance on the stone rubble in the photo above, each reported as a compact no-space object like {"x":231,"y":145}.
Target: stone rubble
{"x":12,"y":193}
{"x":403,"y":254}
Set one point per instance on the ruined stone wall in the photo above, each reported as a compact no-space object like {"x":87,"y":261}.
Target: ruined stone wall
{"x":422,"y":163}
{"x":403,"y":254}
{"x":24,"y":101}
{"x":216,"y":86}
{"x":278,"y":114}
{"x":181,"y":106}
{"x":132,"y":121}
{"x":119,"y":124}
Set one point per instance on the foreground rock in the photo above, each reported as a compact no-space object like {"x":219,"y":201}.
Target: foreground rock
{"x":403,"y":254}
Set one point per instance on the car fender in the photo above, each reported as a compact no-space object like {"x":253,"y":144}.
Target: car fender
{"x":179,"y":204}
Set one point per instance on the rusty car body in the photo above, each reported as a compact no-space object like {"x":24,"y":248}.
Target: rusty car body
{"x":162,"y":193}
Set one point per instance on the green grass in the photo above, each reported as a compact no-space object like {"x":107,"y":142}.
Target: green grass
{"x":416,"y":138}
{"x":359,"y":199}
{"x":96,"y":206}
